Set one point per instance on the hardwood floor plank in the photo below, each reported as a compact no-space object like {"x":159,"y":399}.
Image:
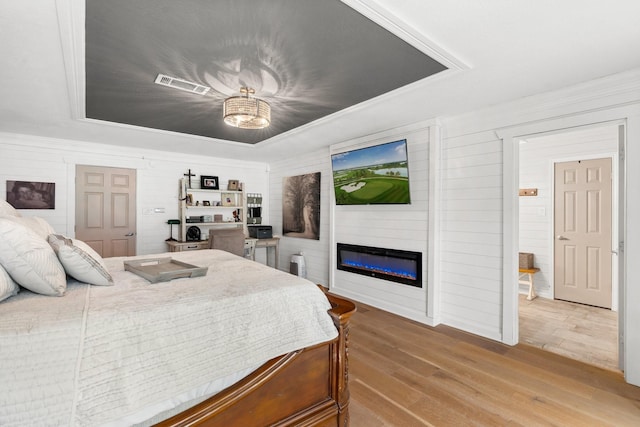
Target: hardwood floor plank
{"x":378,"y":379}
{"x":554,"y":414}
{"x":386,"y":412}
{"x":442,"y":408}
{"x":600,"y":378}
{"x":360,"y":415}
{"x":560,"y":393}
{"x":506,"y":380}
{"x":496,"y":410}
{"x":403,"y":373}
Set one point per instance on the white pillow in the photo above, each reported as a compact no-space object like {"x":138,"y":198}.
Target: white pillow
{"x":38,"y":225}
{"x":7,"y":209}
{"x":29,"y":260}
{"x":8,"y":287}
{"x":80,"y":261}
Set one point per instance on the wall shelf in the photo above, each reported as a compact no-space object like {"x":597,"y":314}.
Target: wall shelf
{"x":229,"y":204}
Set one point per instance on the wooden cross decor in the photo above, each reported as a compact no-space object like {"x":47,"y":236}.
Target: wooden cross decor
{"x":189,"y":175}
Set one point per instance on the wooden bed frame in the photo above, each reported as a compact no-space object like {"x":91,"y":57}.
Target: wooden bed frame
{"x":307,"y":387}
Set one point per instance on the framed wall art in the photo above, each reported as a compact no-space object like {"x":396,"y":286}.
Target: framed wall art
{"x":228,"y":199}
{"x":301,"y":206}
{"x":31,"y":195}
{"x":209,"y":182}
{"x":233,"y":185}
{"x":378,"y":174}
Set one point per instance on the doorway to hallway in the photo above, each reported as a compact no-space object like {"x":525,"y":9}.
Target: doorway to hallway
{"x":546,"y":322}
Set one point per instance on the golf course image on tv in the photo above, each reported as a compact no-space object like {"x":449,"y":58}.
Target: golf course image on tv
{"x":372,"y":175}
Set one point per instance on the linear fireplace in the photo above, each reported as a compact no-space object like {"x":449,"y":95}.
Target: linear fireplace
{"x":388,"y":264}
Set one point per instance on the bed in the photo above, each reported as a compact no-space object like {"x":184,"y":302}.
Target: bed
{"x":243,"y":345}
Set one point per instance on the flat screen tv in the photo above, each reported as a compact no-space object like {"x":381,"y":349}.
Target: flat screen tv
{"x":372,"y":175}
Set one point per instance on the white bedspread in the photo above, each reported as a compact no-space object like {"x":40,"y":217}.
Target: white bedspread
{"x":99,"y":354}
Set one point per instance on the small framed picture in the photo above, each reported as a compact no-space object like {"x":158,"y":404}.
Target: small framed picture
{"x":232,"y":185}
{"x":209,"y":182}
{"x":228,"y":199}
{"x":31,"y":195}
{"x":206,"y":203}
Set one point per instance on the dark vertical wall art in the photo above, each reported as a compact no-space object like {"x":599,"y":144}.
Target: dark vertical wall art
{"x":301,"y":206}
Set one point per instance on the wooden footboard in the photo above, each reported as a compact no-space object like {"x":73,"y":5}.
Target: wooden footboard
{"x":307,"y":387}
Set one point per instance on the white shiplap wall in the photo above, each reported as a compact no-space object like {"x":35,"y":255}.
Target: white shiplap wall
{"x":477,"y":295}
{"x":316,"y":252}
{"x":471,"y":233}
{"x":393,"y":226}
{"x":536,"y":171}
{"x":403,"y":227}
{"x":51,"y":160}
{"x":31,"y":164}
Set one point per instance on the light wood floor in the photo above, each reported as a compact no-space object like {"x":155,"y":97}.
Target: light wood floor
{"x":403,"y":373}
{"x":581,"y":332}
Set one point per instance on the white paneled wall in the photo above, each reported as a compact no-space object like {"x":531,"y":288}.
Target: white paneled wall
{"x":49,"y":160}
{"x":479,"y":218}
{"x":403,"y":227}
{"x":29,"y":164}
{"x":471,"y":233}
{"x":316,"y":252}
{"x":393,"y":226}
{"x":537,"y":156}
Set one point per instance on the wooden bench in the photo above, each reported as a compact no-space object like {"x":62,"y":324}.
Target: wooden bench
{"x":526,"y":278}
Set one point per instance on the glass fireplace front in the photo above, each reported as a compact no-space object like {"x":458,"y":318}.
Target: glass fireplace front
{"x":389,"y":264}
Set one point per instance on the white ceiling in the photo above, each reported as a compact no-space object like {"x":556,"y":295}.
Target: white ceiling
{"x":506,"y":49}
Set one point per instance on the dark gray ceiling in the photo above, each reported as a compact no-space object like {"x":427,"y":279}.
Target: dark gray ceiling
{"x":307,"y":58}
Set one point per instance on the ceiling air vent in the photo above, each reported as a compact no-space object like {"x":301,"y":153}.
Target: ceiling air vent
{"x":181,"y":84}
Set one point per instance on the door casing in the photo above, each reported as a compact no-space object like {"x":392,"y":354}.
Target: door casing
{"x":510,"y":184}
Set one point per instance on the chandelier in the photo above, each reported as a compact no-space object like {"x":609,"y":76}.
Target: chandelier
{"x":246,"y":111}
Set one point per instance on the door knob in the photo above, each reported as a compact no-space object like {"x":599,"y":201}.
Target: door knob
{"x":130,"y":234}
{"x":559,"y":237}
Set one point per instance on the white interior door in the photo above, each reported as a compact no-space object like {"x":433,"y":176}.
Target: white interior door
{"x":582,"y":229}
{"x":106,"y":209}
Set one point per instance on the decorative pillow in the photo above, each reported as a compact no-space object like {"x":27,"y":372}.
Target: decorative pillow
{"x":8,"y":287}
{"x":7,"y":209}
{"x":80,"y":261}
{"x":29,"y":260}
{"x":36,"y":224}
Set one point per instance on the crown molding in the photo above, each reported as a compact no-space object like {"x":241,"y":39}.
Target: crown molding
{"x":76,"y":149}
{"x":392,"y":23}
{"x":603,"y":93}
{"x":71,"y":29}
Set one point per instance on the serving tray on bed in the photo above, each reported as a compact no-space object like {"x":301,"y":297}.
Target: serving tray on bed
{"x":163,"y":269}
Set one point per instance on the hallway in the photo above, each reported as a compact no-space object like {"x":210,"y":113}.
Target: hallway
{"x":580,"y":332}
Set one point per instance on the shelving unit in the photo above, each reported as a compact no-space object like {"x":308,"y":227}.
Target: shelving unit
{"x":254,"y":208}
{"x":228,"y":206}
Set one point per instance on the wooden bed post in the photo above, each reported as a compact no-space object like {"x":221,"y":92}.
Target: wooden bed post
{"x":341,"y":313}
